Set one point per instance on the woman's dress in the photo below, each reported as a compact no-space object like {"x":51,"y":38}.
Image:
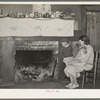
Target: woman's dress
{"x":74,"y":68}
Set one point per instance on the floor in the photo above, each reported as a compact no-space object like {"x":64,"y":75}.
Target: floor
{"x":51,"y":84}
{"x":47,"y":84}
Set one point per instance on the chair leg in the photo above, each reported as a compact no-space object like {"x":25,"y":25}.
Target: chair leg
{"x":83,"y":79}
{"x":94,"y":80}
{"x":86,"y":76}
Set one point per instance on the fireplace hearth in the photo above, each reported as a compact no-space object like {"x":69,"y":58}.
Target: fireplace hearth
{"x":35,"y":61}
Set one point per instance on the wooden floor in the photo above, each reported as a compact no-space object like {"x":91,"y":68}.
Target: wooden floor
{"x":52,"y":84}
{"x":47,"y":84}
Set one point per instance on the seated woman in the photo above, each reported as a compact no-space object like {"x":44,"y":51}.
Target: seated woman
{"x":83,"y":60}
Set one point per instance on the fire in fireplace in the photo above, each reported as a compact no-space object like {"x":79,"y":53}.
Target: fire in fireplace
{"x":34,"y":65}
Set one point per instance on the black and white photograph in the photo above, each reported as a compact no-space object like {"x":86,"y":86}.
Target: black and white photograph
{"x":49,"y":46}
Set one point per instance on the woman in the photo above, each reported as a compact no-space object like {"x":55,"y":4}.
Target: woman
{"x":78,"y":64}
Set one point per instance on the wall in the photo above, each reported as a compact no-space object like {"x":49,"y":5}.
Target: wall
{"x":15,"y":7}
{"x":22,"y":8}
{"x":7,"y":53}
{"x":64,"y":8}
{"x":8,"y":58}
{"x":93,"y":31}
{"x":1,"y":56}
{"x":7,"y":68}
{"x":68,"y":9}
{"x":84,"y":9}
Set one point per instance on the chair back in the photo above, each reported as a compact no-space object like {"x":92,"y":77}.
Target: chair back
{"x":90,"y":76}
{"x":96,"y":61}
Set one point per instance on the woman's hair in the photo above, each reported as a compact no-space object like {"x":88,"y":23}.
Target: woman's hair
{"x":85,"y":39}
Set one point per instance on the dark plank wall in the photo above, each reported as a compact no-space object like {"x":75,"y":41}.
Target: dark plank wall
{"x":23,"y":7}
{"x":15,"y":7}
{"x":8,"y":58}
{"x":1,"y":56}
{"x":8,"y":62}
{"x":7,"y":47}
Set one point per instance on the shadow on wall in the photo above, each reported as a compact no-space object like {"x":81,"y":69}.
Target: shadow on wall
{"x":75,"y":47}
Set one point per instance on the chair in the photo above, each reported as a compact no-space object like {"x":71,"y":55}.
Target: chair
{"x":90,"y":76}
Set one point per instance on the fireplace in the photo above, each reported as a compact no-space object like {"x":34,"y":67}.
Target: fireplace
{"x":35,"y":60}
{"x":31,"y":57}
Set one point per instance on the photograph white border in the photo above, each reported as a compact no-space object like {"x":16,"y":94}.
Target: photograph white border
{"x":50,"y":93}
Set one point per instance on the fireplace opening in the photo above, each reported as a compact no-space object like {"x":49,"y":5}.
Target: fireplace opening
{"x":31,"y":65}
{"x":29,"y":57}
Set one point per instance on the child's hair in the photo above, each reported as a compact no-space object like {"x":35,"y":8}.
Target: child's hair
{"x":84,"y":49}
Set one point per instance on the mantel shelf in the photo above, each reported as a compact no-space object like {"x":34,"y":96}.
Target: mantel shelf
{"x":36,"y":27}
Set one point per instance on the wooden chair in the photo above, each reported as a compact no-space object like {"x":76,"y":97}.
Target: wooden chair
{"x":90,"y":76}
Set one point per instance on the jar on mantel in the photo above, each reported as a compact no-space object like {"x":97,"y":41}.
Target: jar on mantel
{"x":17,"y":14}
{"x":1,"y":12}
{"x":36,"y":14}
{"x":10,"y":14}
{"x":52,"y":15}
{"x":26,"y":14}
{"x":31,"y":15}
{"x":39,"y":15}
{"x":57,"y":14}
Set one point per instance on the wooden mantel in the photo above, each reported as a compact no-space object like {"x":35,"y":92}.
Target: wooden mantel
{"x":36,"y":27}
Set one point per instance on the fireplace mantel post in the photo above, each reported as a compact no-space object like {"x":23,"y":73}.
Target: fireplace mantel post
{"x":7,"y":69}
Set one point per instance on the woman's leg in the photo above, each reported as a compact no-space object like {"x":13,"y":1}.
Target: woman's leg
{"x":70,"y":76}
{"x":75,"y":80}
{"x":71,"y":79}
{"x":75,"y":84}
{"x":69,"y":71}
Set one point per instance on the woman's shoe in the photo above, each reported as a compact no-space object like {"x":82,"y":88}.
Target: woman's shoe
{"x":70,"y":84}
{"x":74,"y":86}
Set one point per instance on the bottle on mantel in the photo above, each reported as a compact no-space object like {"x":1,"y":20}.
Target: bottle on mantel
{"x":26,"y":14}
{"x":11,"y":13}
{"x":2,"y":12}
{"x":17,"y":14}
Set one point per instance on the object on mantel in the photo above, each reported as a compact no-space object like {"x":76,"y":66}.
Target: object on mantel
{"x":68,"y":17}
{"x":1,"y":12}
{"x":31,"y":15}
{"x":46,"y":15}
{"x":26,"y":14}
{"x":2,"y":16}
{"x":57,"y":14}
{"x":35,"y":14}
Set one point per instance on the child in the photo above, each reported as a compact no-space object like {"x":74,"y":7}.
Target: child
{"x":67,"y":52}
{"x":80,"y":56}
